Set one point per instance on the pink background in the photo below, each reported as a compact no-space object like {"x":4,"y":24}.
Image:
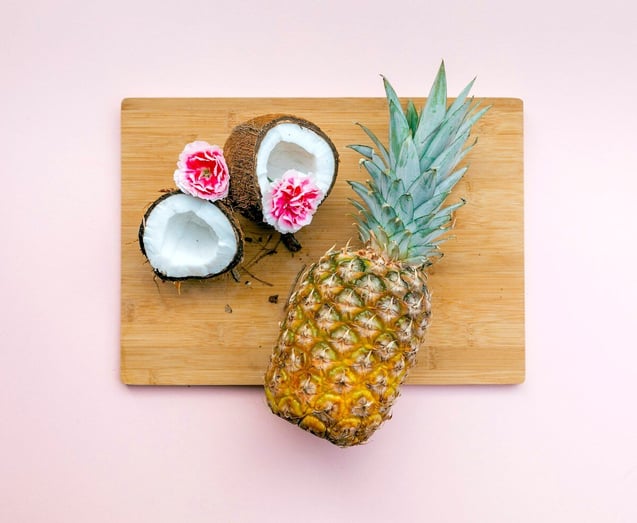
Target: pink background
{"x":77,"y":445}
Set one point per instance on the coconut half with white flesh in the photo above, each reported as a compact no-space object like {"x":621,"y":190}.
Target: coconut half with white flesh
{"x":184,"y":237}
{"x":261,"y":151}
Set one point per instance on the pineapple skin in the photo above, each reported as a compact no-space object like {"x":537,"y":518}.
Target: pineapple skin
{"x":352,"y":328}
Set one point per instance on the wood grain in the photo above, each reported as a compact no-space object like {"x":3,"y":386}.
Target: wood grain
{"x":220,"y":332}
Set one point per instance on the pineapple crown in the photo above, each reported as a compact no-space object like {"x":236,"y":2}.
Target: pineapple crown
{"x":402,"y":213}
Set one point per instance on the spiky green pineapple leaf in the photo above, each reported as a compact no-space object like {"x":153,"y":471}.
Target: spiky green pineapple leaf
{"x":379,"y":177}
{"x":398,"y":132}
{"x":368,"y":197}
{"x":424,"y":225}
{"x":382,"y":150}
{"x":395,"y":190}
{"x":389,"y":218}
{"x":363,"y":150}
{"x":446,"y":212}
{"x":425,"y":186}
{"x":451,"y":156}
{"x":460,"y":99}
{"x":403,"y":240}
{"x":408,"y":164}
{"x":369,"y":156}
{"x":436,"y":221}
{"x":449,"y":128}
{"x":450,"y":181}
{"x":469,"y":122}
{"x":380,"y":165}
{"x":444,"y":135}
{"x":435,"y":107}
{"x":406,"y":208}
{"x":428,"y":257}
{"x":412,"y":117}
{"x":430,"y":206}
{"x":366,"y":221}
{"x":390,"y":93}
{"x":426,"y":233}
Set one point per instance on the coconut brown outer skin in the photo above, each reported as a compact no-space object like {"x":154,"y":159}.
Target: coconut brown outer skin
{"x":240,"y":152}
{"x":227,"y":211}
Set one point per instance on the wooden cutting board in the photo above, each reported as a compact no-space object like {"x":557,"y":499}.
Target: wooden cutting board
{"x":220,"y":332}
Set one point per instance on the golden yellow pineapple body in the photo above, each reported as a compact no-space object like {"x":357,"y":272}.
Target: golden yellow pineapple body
{"x":354,"y":324}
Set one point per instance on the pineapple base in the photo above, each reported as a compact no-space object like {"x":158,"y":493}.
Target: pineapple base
{"x":352,"y":329}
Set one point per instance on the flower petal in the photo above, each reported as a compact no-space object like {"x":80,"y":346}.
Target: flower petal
{"x":291,"y":201}
{"x":202,"y":171}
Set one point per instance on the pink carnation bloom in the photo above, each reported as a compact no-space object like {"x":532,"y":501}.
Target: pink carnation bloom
{"x":202,"y":171}
{"x":291,"y":202}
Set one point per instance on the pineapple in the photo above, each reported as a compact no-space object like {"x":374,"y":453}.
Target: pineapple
{"x":357,"y":317}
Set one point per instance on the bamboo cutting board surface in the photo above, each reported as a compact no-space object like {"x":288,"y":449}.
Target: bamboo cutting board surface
{"x":221,"y":331}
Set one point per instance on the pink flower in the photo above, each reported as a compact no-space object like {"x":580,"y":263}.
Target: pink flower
{"x":202,"y":171}
{"x":291,"y":202}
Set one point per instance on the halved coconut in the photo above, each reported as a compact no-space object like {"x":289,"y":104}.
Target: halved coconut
{"x":184,"y":237}
{"x":259,"y":152}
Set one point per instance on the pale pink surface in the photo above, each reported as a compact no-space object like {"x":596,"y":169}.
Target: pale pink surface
{"x":202,"y":171}
{"x":291,"y":201}
{"x":78,"y":446}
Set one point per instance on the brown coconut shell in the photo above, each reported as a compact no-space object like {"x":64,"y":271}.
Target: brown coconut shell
{"x":240,"y":152}
{"x":225,"y":209}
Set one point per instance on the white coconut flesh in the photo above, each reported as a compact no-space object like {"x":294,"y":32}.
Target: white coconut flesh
{"x":186,"y":237}
{"x":291,"y":146}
